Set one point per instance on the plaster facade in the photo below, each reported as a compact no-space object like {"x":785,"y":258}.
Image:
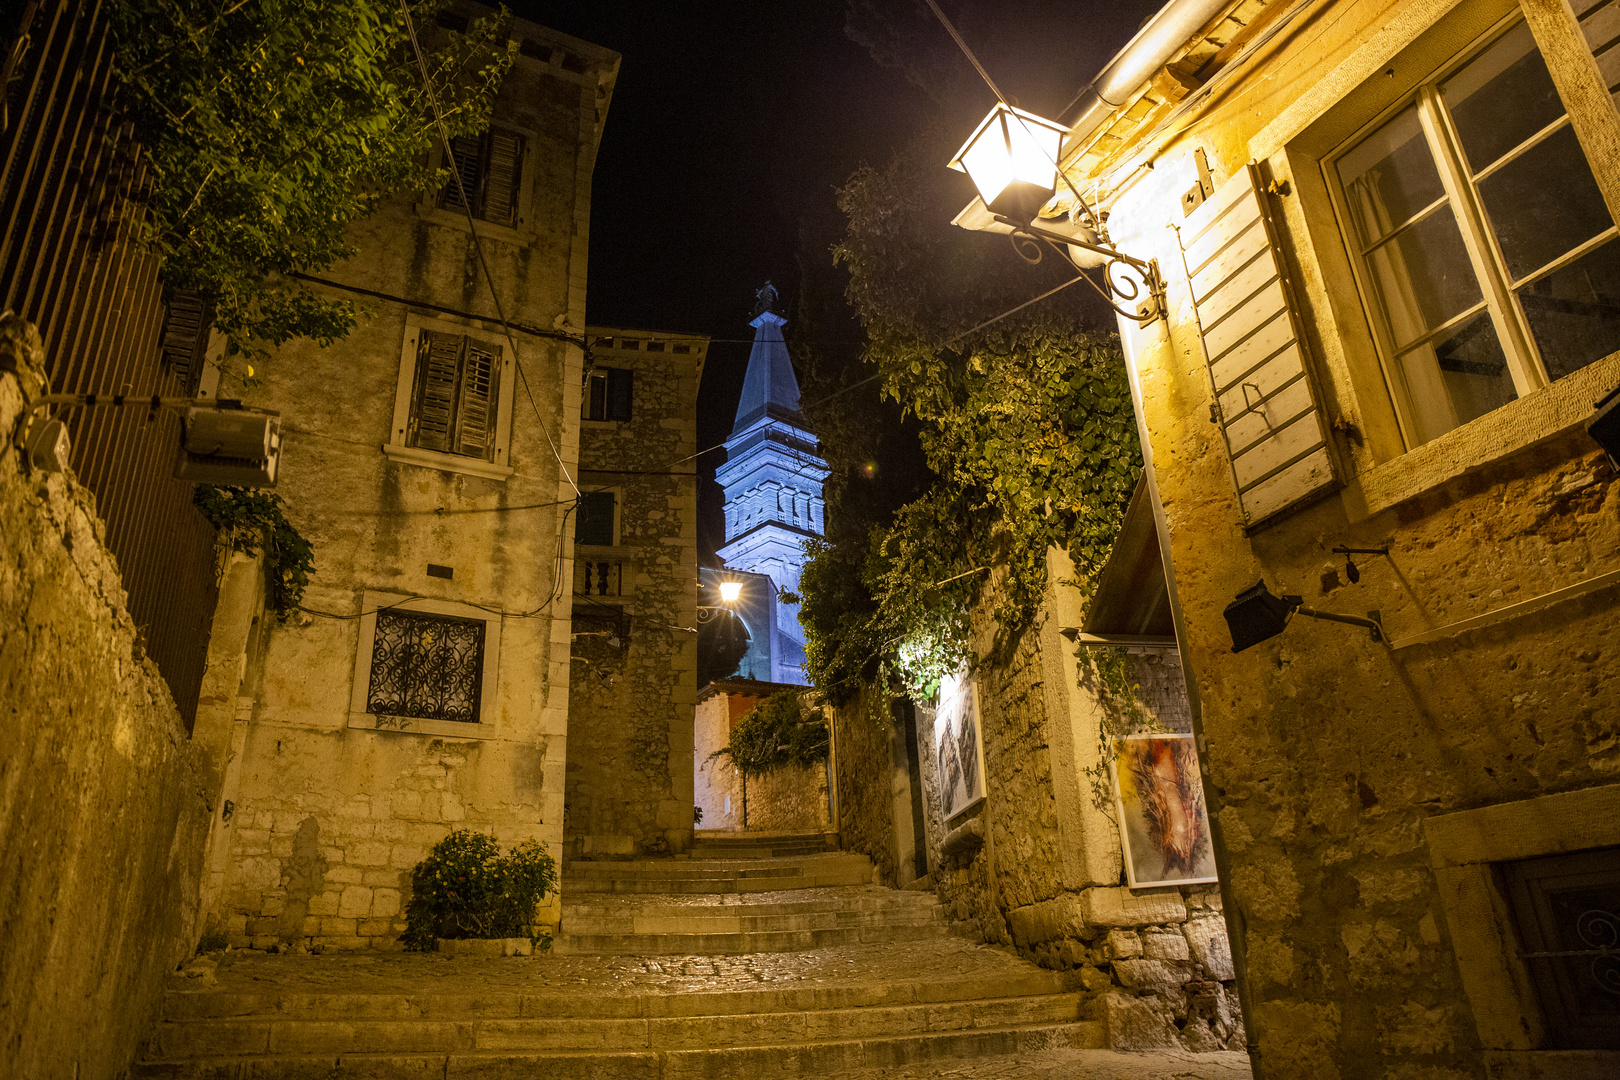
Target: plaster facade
{"x":629,"y":776}
{"x":334,"y":803}
{"x":1348,"y":775}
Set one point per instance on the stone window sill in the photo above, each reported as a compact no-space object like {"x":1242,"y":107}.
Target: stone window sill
{"x":1517,"y":426}
{"x":487,"y":230}
{"x":405,"y":725}
{"x":410,"y":455}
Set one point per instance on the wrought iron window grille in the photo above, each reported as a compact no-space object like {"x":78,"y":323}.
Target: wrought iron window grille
{"x":1567,"y":912}
{"x":426,"y":667}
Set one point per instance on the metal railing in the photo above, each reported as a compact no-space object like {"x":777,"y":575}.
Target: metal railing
{"x":71,"y":176}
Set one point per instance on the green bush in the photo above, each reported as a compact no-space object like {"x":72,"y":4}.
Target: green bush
{"x":466,"y":888}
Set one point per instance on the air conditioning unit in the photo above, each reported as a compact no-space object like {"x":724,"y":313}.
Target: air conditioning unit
{"x":230,"y":447}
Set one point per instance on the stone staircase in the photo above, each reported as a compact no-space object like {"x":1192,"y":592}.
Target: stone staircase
{"x":718,"y":844}
{"x":734,"y":966}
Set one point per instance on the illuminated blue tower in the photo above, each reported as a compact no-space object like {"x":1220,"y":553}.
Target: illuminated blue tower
{"x":772,"y":481}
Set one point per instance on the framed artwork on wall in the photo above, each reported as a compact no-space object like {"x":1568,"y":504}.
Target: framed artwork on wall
{"x":1163,"y":822}
{"x":958,"y":749}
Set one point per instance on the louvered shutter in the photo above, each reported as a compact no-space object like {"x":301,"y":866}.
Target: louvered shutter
{"x":467,"y":158}
{"x":480,"y":393}
{"x":621,"y":393}
{"x":433,"y":408}
{"x":184,"y":341}
{"x":503,"y":165}
{"x":1265,"y":403}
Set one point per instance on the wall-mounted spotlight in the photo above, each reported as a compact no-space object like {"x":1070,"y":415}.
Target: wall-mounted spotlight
{"x":1351,"y":571}
{"x":1256,"y":615}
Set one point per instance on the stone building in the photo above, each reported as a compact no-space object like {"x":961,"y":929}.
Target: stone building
{"x":1387,"y":237}
{"x":772,"y":481}
{"x":431,"y":459}
{"x":635,"y":594}
{"x":998,"y":796}
{"x":793,"y":799}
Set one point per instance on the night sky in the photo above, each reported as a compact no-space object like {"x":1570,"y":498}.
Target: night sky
{"x":733,"y":124}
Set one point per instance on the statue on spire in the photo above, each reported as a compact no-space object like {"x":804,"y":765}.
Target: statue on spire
{"x":765,"y":299}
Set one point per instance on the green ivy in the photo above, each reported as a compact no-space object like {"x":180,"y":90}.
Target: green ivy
{"x":268,"y":127}
{"x":466,"y":888}
{"x":251,"y":519}
{"x":776,"y":734}
{"x":1107,"y":677}
{"x":1027,"y":426}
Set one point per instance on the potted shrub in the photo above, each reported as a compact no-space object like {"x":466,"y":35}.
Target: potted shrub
{"x":469,"y":898}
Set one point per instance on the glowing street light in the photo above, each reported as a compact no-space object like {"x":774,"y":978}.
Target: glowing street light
{"x":1012,"y":159}
{"x":730,"y":591}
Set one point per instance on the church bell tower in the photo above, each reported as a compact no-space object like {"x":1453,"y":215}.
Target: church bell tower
{"x":772,"y":481}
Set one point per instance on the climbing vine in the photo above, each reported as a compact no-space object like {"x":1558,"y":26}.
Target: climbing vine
{"x":1026,"y":425}
{"x":251,"y":519}
{"x":1107,"y":675}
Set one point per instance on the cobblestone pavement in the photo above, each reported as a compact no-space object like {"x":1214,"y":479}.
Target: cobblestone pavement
{"x":1073,"y":1065}
{"x":248,"y":971}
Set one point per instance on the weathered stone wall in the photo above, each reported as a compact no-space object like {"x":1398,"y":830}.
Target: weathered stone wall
{"x":1039,"y":866}
{"x":1333,"y":754}
{"x":863,"y":765}
{"x":788,"y":800}
{"x":332,"y":807}
{"x":631,"y":707}
{"x":104,"y":810}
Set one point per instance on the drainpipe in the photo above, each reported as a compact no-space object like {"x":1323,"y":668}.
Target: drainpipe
{"x":1135,"y":64}
{"x":1236,"y":932}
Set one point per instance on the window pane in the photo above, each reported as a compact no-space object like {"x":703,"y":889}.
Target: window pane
{"x":1389,"y":177}
{"x":1501,"y":98}
{"x":1574,"y":312}
{"x":1544,"y":203}
{"x":1423,"y":276}
{"x":1460,"y":375}
{"x":595,"y":525}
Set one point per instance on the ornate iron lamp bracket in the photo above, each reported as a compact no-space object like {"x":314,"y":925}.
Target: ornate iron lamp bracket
{"x":1147,"y":297}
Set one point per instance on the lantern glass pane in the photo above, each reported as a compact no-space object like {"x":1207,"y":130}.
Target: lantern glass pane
{"x":1012,"y":147}
{"x":729,"y":591}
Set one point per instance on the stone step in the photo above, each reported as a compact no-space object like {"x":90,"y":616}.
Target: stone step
{"x":488,"y":1003}
{"x":710,"y":876}
{"x":716,"y":920}
{"x":847,"y":1051}
{"x":846,"y":902}
{"x":253,"y":1036}
{"x":735,"y":944}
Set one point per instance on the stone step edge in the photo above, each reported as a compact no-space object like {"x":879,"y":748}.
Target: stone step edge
{"x":1094,"y":1029}
{"x":722,"y":944}
{"x":724,"y":1003}
{"x":651,"y":908}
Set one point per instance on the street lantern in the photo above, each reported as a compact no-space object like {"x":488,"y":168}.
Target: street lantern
{"x":729,"y":591}
{"x":1012,"y":159}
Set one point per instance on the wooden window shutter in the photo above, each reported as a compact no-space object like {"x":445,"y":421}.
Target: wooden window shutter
{"x":1265,"y":402}
{"x":621,"y":393}
{"x":433,"y":405}
{"x":467,"y":158}
{"x":503,"y":168}
{"x":480,"y":398}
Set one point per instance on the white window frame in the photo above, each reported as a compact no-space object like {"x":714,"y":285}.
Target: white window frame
{"x":1416,"y":41}
{"x":371,"y":602}
{"x":428,"y":206}
{"x":397,"y":450}
{"x":1498,"y":296}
